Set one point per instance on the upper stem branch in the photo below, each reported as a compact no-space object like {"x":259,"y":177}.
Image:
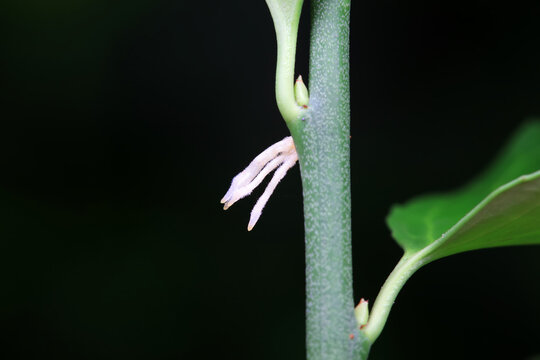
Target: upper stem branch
{"x":286,"y":17}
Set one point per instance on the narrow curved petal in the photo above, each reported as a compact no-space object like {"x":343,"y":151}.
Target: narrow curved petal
{"x":281,"y":156}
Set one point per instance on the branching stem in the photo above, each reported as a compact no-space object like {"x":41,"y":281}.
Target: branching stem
{"x":388,"y":293}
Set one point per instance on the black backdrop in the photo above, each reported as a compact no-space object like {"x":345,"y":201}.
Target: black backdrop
{"x":123,"y":123}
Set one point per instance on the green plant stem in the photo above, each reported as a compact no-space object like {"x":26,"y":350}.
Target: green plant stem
{"x":286,"y":16}
{"x":322,"y":143}
{"x":404,"y":269}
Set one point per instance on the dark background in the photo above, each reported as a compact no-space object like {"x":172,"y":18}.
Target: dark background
{"x":123,"y":122}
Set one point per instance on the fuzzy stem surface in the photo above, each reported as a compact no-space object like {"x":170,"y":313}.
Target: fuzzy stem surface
{"x":323,"y":146}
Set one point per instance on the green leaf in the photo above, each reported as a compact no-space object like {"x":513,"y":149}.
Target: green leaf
{"x":500,"y":208}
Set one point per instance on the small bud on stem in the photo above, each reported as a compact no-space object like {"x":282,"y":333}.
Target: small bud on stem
{"x":301,"y":92}
{"x":361,"y":312}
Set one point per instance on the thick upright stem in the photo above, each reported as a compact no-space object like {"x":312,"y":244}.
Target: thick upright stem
{"x":322,"y":142}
